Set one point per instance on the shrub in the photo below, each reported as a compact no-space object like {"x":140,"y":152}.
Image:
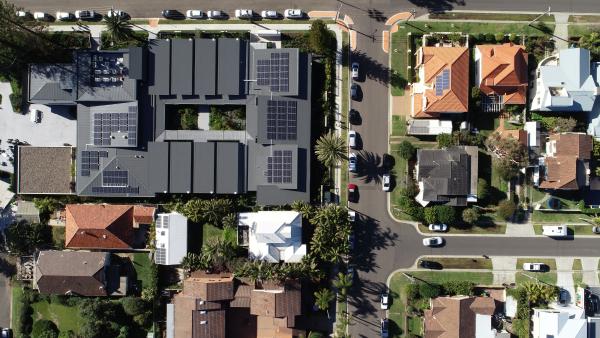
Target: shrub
{"x":506,"y":209}
{"x":499,"y":37}
{"x":445,"y":140}
{"x":430,"y":215}
{"x":412,"y":291}
{"x":314,"y":334}
{"x":470,"y":215}
{"x":462,"y":288}
{"x":133,"y":305}
{"x":483,"y":189}
{"x":428,"y":290}
{"x":189,"y":119}
{"x":143,"y":319}
{"x":407,"y":150}
{"x":445,"y":214}
{"x":44,"y":329}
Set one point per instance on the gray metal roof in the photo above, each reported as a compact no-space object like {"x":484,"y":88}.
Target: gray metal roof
{"x":136,"y":58}
{"x":262,"y":55}
{"x":104,"y":76}
{"x":52,"y":83}
{"x":205,"y":69}
{"x":180,"y":167}
{"x":230,"y":168}
{"x":159,"y":67}
{"x":182,"y":63}
{"x":204,"y":167}
{"x":232,"y":67}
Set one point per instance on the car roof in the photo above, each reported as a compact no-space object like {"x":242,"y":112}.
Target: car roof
{"x":352,"y":185}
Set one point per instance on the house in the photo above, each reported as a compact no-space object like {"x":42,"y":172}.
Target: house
{"x":429,"y":127}
{"x":567,"y":82}
{"x":127,"y":145}
{"x":460,"y":317}
{"x":27,"y":211}
{"x":559,"y":323}
{"x":44,"y":170}
{"x":447,"y":176}
{"x":443,"y":87}
{"x":105,"y":226}
{"x":273,"y":236}
{"x":79,"y":273}
{"x":566,"y":163}
{"x":217,"y":305}
{"x":171,"y":238}
{"x":501,"y":73}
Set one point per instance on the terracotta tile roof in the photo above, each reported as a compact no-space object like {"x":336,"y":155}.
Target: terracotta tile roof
{"x":566,"y":170}
{"x":101,"y":226}
{"x":504,"y":71}
{"x":454,"y":317}
{"x":282,"y":302}
{"x":209,"y":287}
{"x":455,"y":99}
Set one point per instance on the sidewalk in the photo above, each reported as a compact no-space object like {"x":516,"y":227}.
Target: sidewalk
{"x":561,"y":30}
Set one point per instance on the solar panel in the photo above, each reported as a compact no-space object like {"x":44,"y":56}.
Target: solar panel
{"x":274,"y":72}
{"x":282,"y":118}
{"x":106,"y":123}
{"x":116,"y":190}
{"x":279,"y":167}
{"x":115,"y":178}
{"x":89,"y":160}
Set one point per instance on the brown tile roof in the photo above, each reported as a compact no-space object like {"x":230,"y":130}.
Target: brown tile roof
{"x":44,"y":170}
{"x":456,"y":98}
{"x":454,"y":317}
{"x":102,"y":226}
{"x":283,"y":302}
{"x":566,"y":170}
{"x":208,"y":324}
{"x":71,"y":272}
{"x":504,"y":71}
{"x":209,"y":287}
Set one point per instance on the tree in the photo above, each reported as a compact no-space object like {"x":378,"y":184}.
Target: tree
{"x":591,"y":41}
{"x":133,"y":305}
{"x":430,"y":215}
{"x":455,"y":287}
{"x":407,"y":150}
{"x":118,"y":29}
{"x":212,"y":211}
{"x":428,"y":290}
{"x":193,"y":262}
{"x":24,"y":238}
{"x":343,"y":283}
{"x":323,"y":297}
{"x":44,"y":329}
{"x":330,"y":149}
{"x":305,"y":208}
{"x":539,"y":293}
{"x":470,"y":215}
{"x":508,"y":154}
{"x":483,"y":189}
{"x":445,"y":214}
{"x":445,"y":140}
{"x":506,"y":209}
{"x":321,"y":40}
{"x":330,"y":238}
{"x":46,"y":205}
{"x":188,"y":118}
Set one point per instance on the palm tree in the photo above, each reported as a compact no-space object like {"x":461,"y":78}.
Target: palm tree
{"x":322,"y":298}
{"x":191,"y":262}
{"x":330,"y":149}
{"x":304,"y":208}
{"x":538,"y":293}
{"x":343,"y":283}
{"x":118,"y":29}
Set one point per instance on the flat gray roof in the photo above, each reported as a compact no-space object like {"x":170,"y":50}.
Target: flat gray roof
{"x":230,"y":168}
{"x":205,"y":76}
{"x":204,"y":167}
{"x":180,"y":167}
{"x":159,"y":60}
{"x":232,"y":66}
{"x":182,"y":57}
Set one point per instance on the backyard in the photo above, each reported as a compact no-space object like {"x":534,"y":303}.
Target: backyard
{"x":143,"y":268}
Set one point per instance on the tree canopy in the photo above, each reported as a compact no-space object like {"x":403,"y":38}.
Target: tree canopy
{"x":24,"y":238}
{"x":321,"y":39}
{"x":330,"y":149}
{"x":591,"y":41}
{"x":330,"y":238}
{"x":509,"y":155}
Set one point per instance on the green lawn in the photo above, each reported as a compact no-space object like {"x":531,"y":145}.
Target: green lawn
{"x":65,"y":317}
{"x":585,"y":18}
{"x":497,"y":181}
{"x":398,"y":125}
{"x":58,"y":237}
{"x":559,"y":217}
{"x":445,"y":276}
{"x":577,"y":264}
{"x":344,"y":112}
{"x":498,"y":228}
{"x":550,"y":262}
{"x":579,"y":30}
{"x":400,"y":176}
{"x":490,"y":16}
{"x":462,"y":262}
{"x":142,"y":265}
{"x":543,"y":277}
{"x":577,"y":278}
{"x":415,"y":325}
{"x":17,"y":303}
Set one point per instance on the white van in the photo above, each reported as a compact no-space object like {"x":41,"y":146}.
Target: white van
{"x":555,"y":230}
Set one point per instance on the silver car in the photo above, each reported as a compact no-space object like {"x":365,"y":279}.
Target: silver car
{"x":385,"y":182}
{"x":352,"y":163}
{"x":433,"y":241}
{"x":438,"y":227}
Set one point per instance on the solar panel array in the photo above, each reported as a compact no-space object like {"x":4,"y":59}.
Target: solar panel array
{"x":282,"y":120}
{"x":279,"y":167}
{"x":274,"y":72}
{"x":106,"y":123}
{"x":162,"y":222}
{"x":115,"y":178}
{"x":160,"y":256}
{"x":116,"y":190}
{"x":442,"y":82}
{"x":90,"y":160}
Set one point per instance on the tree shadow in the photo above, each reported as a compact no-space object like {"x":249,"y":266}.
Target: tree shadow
{"x":369,"y":167}
{"x":7,"y":268}
{"x":372,"y":69}
{"x":438,"y":5}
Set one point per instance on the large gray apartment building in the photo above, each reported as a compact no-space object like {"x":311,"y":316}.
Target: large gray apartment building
{"x":122,"y":98}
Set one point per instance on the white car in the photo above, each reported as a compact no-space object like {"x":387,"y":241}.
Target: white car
{"x":85,"y":15}
{"x":116,"y":13}
{"x":352,"y":139}
{"x":21,"y":14}
{"x":64,"y":16}
{"x":533,"y":266}
{"x":194,"y":14}
{"x":385,"y":301}
{"x":351,"y":216}
{"x":215,"y":14}
{"x":244,"y":13}
{"x":269,"y":14}
{"x":438,"y":227}
{"x":355,"y":70}
{"x":41,"y":16}
{"x":352,"y":163}
{"x":385,"y":182}
{"x":293,"y":14}
{"x":433,"y":241}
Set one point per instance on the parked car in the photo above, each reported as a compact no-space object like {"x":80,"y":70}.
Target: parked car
{"x":351,"y":241}
{"x":438,"y":227}
{"x":171,"y":14}
{"x":64,"y":16}
{"x":563,"y":297}
{"x":351,"y":216}
{"x":555,"y":230}
{"x":354,"y":91}
{"x":433,"y":241}
{"x":594,"y":303}
{"x":216,"y":14}
{"x":6,"y":333}
{"x":35,"y":116}
{"x":430,"y":265}
{"x":85,"y":14}
{"x":269,"y":14}
{"x":244,"y":13}
{"x":354,"y":117}
{"x":596,"y":229}
{"x":384,"y":328}
{"x":116,"y":13}
{"x":352,"y":192}
{"x":384,"y":301}
{"x":194,"y":14}
{"x":293,"y":14}
{"x":22,"y":14}
{"x":386,"y":182}
{"x":352,"y":139}
{"x":533,"y":266}
{"x":41,"y":16}
{"x":352,"y":163}
{"x":355,"y":70}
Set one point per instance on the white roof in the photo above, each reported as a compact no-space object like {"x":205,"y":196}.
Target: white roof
{"x":274,"y":236}
{"x":533,"y":133}
{"x":483,"y":326}
{"x":429,"y":127}
{"x":568,"y":323}
{"x":5,"y":195}
{"x":171,"y":238}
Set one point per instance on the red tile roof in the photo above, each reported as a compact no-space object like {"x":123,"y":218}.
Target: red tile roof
{"x":454,"y":99}
{"x":454,"y":317}
{"x":103,"y":226}
{"x":566,"y":168}
{"x":504,"y":71}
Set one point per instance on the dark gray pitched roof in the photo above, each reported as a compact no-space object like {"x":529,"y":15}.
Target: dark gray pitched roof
{"x":52,"y":83}
{"x":180,"y":165}
{"x":182,"y":57}
{"x":205,"y":68}
{"x":231,"y":69}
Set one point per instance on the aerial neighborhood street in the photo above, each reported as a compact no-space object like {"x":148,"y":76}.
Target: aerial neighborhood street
{"x":309,"y":169}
